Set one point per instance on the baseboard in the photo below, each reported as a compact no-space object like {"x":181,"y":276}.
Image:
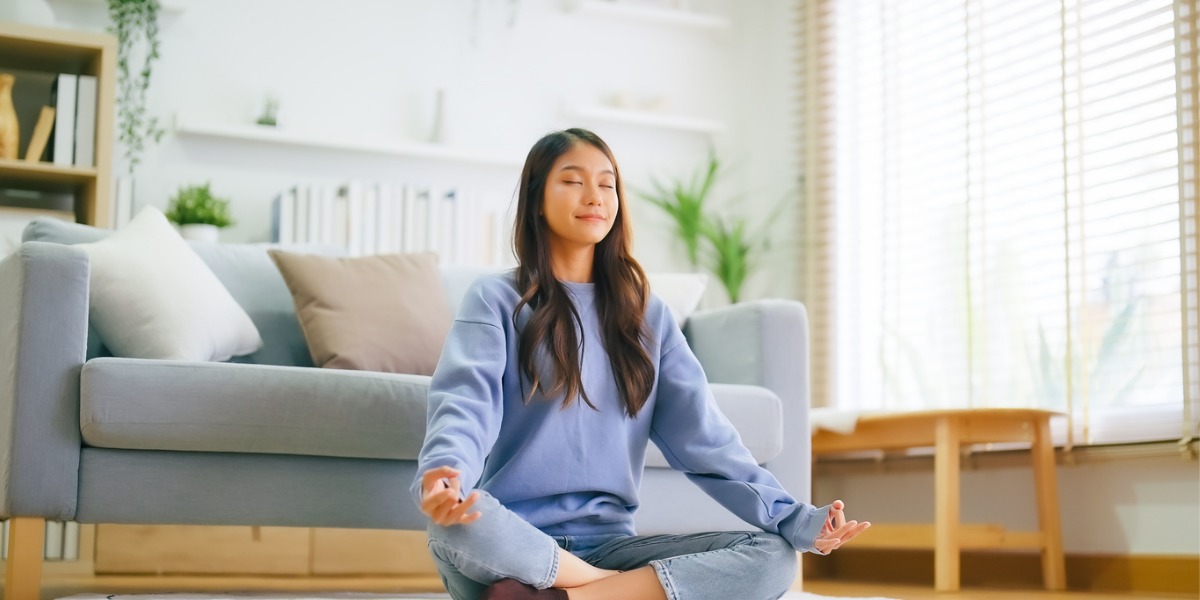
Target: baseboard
{"x":1085,"y":572}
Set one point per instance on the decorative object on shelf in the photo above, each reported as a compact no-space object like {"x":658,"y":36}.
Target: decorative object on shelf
{"x":10,"y":128}
{"x":270,"y":111}
{"x":439,"y":117}
{"x":198,"y":213}
{"x":41,"y":135}
{"x":135,"y":23}
{"x":731,"y":251}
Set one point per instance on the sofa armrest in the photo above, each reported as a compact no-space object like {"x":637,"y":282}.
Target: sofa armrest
{"x":43,"y":336}
{"x":765,"y":343}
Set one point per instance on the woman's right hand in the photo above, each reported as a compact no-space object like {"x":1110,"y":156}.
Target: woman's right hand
{"x":440,"y":489}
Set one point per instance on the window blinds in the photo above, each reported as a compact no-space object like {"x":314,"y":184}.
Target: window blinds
{"x":1000,"y":208}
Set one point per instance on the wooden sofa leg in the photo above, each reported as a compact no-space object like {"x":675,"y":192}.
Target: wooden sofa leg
{"x":24,"y":577}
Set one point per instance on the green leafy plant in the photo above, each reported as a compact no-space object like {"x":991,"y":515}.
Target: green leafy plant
{"x":135,"y":23}
{"x":195,"y":205}
{"x":726,"y":246}
{"x":734,"y":253}
{"x":684,"y":203}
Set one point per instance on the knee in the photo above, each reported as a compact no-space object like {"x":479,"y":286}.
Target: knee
{"x":779,"y":563}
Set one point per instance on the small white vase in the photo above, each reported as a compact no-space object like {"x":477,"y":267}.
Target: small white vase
{"x":199,"y":232}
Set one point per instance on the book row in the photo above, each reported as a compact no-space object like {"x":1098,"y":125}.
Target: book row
{"x":379,"y":218}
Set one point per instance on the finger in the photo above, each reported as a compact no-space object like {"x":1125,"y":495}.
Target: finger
{"x":855,"y":531}
{"x":456,"y":485}
{"x":433,"y":475}
{"x":442,"y":512}
{"x":438,"y":504}
{"x":838,"y":514}
{"x":461,"y":508}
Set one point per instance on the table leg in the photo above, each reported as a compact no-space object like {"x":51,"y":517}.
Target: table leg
{"x":1054,"y":572}
{"x":24,"y":573}
{"x":946,"y":504}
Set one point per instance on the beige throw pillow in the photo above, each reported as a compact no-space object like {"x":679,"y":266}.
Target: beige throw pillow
{"x":374,"y":313}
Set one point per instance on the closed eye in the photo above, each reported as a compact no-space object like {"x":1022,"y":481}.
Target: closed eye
{"x":574,"y":182}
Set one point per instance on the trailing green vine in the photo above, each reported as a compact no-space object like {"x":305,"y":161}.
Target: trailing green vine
{"x":135,"y":22}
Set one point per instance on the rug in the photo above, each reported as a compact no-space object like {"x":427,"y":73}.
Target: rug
{"x":348,"y":596}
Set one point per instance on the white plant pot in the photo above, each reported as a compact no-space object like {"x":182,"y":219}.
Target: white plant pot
{"x":199,"y":232}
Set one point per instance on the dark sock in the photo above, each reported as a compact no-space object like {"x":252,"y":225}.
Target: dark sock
{"x":511,"y":589}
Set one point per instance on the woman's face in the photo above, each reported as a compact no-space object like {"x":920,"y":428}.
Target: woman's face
{"x":580,"y":204}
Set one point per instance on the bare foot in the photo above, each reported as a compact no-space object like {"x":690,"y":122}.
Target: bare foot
{"x":574,"y":571}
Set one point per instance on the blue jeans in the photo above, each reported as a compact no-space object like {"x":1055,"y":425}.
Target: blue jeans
{"x":717,"y":565}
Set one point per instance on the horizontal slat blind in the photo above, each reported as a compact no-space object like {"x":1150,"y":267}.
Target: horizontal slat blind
{"x":1000,"y":208}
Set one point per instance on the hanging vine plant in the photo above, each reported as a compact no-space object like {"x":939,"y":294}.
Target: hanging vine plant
{"x":135,"y":23}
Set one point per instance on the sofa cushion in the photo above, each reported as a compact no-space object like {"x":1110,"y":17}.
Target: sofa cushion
{"x":247,"y":273}
{"x":757,"y":414}
{"x":374,"y":313}
{"x":265,"y":409}
{"x":151,"y":296}
{"x":226,"y":407}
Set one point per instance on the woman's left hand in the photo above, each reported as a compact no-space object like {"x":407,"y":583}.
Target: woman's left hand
{"x":837,"y":530}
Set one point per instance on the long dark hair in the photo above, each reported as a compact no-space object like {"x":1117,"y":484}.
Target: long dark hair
{"x":622,"y":290}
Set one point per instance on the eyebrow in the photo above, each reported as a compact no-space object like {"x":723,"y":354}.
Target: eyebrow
{"x":582,"y":170}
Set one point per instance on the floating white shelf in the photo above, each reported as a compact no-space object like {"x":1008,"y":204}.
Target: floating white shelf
{"x":646,"y":118}
{"x":651,"y":14}
{"x":271,"y":135}
{"x":166,"y":8}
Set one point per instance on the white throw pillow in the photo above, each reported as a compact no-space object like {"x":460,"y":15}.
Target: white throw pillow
{"x":681,"y":291}
{"x":152,"y":296}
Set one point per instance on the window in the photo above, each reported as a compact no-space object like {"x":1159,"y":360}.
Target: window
{"x":1001,"y":209}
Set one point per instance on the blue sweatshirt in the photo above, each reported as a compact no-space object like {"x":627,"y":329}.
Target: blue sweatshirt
{"x":576,"y":471}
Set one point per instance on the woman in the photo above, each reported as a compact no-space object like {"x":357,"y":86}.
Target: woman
{"x":553,"y":379}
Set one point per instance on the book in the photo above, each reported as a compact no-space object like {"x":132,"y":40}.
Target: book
{"x":122,"y":201}
{"x":54,"y":541}
{"x":41,"y":135}
{"x":63,"y":145}
{"x":85,"y":122}
{"x":70,"y":540}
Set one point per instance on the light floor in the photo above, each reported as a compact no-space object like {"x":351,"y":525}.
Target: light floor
{"x":140,"y":584}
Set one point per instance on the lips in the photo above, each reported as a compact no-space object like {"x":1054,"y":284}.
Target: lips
{"x":592,"y":217}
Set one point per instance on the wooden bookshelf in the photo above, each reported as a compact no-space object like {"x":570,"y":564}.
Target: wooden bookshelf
{"x":30,"y":48}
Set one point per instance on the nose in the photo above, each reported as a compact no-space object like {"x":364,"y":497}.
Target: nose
{"x":594,"y":197}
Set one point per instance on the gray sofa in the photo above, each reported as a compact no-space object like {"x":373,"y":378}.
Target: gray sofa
{"x":268,"y":439}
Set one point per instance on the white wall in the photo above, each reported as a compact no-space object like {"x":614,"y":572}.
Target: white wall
{"x":1110,"y":506}
{"x":371,"y":67}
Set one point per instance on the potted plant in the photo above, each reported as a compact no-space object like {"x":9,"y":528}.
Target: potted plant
{"x":684,"y":203}
{"x":198,"y":213}
{"x":729,"y":251}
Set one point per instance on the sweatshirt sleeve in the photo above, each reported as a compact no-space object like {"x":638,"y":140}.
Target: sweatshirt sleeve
{"x":698,"y":440}
{"x":466,"y":397}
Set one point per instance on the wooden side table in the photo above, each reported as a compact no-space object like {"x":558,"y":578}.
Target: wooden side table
{"x":946,"y":431}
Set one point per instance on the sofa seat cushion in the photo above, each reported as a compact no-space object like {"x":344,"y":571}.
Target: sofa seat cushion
{"x":141,"y":404}
{"x":228,"y":407}
{"x":757,"y":414}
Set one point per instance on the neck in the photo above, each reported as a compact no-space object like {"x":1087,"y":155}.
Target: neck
{"x":573,"y":264}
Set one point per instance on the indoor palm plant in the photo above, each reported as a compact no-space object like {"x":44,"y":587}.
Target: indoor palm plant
{"x":684,"y":203}
{"x":198,"y":213}
{"x":721,"y":243}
